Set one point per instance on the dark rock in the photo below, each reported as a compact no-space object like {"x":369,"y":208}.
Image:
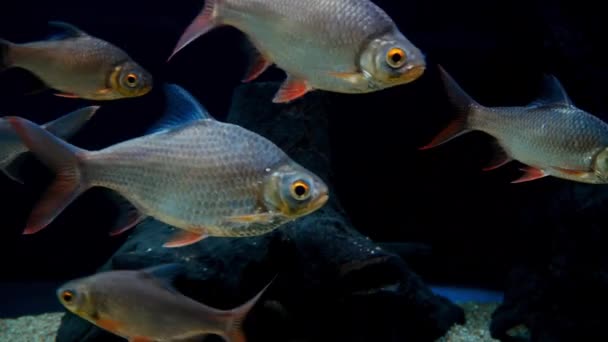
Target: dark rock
{"x":333,"y":284}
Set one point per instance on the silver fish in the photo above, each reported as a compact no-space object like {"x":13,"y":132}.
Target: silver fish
{"x":204,"y":176}
{"x":550,"y":135}
{"x":11,"y":147}
{"x":143,"y":306}
{"x":345,"y":46}
{"x":78,"y":65}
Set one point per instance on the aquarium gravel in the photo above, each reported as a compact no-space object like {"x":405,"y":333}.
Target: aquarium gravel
{"x":39,"y":328}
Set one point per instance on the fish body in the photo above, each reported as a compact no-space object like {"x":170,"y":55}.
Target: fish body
{"x":11,"y":147}
{"x":346,"y":46}
{"x":142,"y":305}
{"x":204,"y":176}
{"x":550,"y":135}
{"x":79,"y":65}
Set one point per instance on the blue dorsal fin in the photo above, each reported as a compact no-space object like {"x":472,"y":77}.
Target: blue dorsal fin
{"x":552,"y":92}
{"x":65,"y":31}
{"x":164,"y":274}
{"x":180,"y":108}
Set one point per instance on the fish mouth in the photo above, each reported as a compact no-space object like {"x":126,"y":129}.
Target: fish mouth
{"x":413,"y":73}
{"x":319,"y":202}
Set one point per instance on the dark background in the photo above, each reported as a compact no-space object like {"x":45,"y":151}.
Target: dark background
{"x":477,"y":223}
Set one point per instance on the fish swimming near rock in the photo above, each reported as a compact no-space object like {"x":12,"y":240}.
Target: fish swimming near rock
{"x":78,"y":65}
{"x":12,"y":149}
{"x":344,"y":46}
{"x":143,"y":306}
{"x":193,"y":172}
{"x":550,"y":135}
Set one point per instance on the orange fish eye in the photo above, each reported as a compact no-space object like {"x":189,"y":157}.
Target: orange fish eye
{"x":395,"y":57}
{"x":67,"y":296}
{"x":300,"y":190}
{"x":131,"y":79}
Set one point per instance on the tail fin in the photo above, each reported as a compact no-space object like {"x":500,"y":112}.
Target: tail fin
{"x":5,"y":48}
{"x":203,"y":23}
{"x":64,"y":159}
{"x":235,"y":330}
{"x":66,"y":126}
{"x":464,"y":105}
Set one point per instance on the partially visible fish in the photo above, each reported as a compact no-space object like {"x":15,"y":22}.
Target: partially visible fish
{"x":12,"y":149}
{"x":344,"y":46}
{"x":143,"y":306}
{"x":550,"y":135}
{"x":78,"y":65}
{"x":193,"y":172}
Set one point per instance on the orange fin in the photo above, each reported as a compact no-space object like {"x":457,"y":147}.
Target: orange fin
{"x":531,"y":173}
{"x":184,"y":238}
{"x":291,"y":89}
{"x":253,"y":218}
{"x":64,"y":159}
{"x":127,"y":221}
{"x":67,"y":95}
{"x":499,"y":159}
{"x":203,"y":23}
{"x":259,"y":64}
{"x":108,"y":324}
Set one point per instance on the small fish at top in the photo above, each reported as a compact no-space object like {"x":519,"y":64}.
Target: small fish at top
{"x":12,"y":149}
{"x":78,"y":65}
{"x":344,"y":46}
{"x":550,"y":135}
{"x":143,"y":306}
{"x":206,"y":177}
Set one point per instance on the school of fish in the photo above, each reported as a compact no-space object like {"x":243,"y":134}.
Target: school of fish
{"x":209,"y":178}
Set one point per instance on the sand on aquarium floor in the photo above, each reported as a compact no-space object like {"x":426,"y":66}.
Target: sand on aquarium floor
{"x":43,"y":328}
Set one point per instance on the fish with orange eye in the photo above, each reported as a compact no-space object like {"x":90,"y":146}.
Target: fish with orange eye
{"x":78,"y":65}
{"x":349,"y":46}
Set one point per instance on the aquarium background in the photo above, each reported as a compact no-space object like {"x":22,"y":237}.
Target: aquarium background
{"x":453,"y":224}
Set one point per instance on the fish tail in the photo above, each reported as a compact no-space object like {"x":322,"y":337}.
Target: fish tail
{"x":64,"y":159}
{"x":207,"y":20}
{"x":5,"y":49}
{"x":465,"y":106}
{"x":235,"y":331}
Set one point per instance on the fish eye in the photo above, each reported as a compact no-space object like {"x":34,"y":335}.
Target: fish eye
{"x":395,"y":57}
{"x":131,"y":79}
{"x":300,"y":190}
{"x":67,"y":296}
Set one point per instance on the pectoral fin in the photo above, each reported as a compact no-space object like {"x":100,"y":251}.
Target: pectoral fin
{"x":67,"y":95}
{"x":254,"y":218}
{"x":351,"y":77}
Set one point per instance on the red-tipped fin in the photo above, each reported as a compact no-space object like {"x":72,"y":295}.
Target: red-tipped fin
{"x":235,"y":330}
{"x":64,"y":159}
{"x":184,"y":238}
{"x":259,"y":64}
{"x":67,"y":95}
{"x":464,"y":105}
{"x":531,"y":173}
{"x":500,"y":158}
{"x":140,"y":339}
{"x":291,"y":89}
{"x":127,"y":220}
{"x":578,"y":173}
{"x":203,"y":23}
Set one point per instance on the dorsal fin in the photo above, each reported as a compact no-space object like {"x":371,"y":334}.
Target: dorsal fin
{"x":552,"y":92}
{"x":180,"y":108}
{"x":164,"y":274}
{"x":65,"y":31}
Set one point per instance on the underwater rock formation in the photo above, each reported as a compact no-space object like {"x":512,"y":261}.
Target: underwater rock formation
{"x":333,"y":283}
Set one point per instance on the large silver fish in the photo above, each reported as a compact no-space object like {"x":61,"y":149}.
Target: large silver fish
{"x":204,"y":176}
{"x":11,"y":147}
{"x":78,"y":65}
{"x":143,"y":306}
{"x":550,"y":135}
{"x":345,"y":46}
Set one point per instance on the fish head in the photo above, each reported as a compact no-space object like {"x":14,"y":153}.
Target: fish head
{"x":600,"y":164}
{"x":76,"y":297}
{"x":129,"y":79}
{"x":294,"y":191}
{"x":391,"y":60}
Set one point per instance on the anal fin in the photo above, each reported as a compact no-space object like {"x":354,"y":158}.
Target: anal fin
{"x":499,"y":158}
{"x":291,"y":89}
{"x":258,"y":65}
